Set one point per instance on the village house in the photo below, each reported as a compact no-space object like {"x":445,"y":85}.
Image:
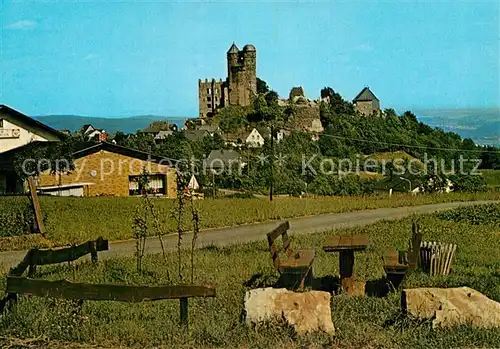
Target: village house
{"x":224,"y":159}
{"x":106,"y":169}
{"x":90,"y":133}
{"x":17,"y":131}
{"x":250,"y":138}
{"x":254,"y":139}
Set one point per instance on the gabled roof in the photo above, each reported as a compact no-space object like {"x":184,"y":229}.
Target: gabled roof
{"x":118,"y":149}
{"x":222,"y":158}
{"x":365,"y":95}
{"x":30,"y":121}
{"x":164,"y":134}
{"x":209,"y":128}
{"x":196,"y":135}
{"x":85,"y":128}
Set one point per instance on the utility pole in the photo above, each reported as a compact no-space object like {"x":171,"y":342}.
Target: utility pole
{"x":271,"y":182}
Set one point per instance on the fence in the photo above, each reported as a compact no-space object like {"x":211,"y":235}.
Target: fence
{"x":16,"y":284}
{"x":436,"y":258}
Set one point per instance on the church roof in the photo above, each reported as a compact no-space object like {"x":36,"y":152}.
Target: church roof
{"x":365,"y":95}
{"x":233,"y":49}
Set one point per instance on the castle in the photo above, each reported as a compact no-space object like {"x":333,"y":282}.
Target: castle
{"x":239,"y":86}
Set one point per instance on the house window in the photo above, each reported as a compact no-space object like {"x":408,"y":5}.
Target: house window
{"x":216,"y":99}
{"x":156,"y":185}
{"x":209,"y":91}
{"x":1,"y":123}
{"x":216,"y":90}
{"x":209,"y":99}
{"x":209,"y":105}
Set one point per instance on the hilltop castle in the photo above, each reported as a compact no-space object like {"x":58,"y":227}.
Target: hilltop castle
{"x":239,"y":86}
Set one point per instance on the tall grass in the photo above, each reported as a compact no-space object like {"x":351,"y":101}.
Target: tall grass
{"x":359,"y":321}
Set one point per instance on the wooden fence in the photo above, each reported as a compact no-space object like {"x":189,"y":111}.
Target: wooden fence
{"x":36,"y":257}
{"x":436,"y":258}
{"x":109,"y":292}
{"x":16,"y":284}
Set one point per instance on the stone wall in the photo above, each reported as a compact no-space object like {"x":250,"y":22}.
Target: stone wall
{"x":367,"y":108}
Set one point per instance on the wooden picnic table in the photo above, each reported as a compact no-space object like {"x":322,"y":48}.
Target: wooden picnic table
{"x":346,"y":245}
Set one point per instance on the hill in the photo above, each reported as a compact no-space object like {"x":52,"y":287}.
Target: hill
{"x":482,"y":125}
{"x":110,"y":124}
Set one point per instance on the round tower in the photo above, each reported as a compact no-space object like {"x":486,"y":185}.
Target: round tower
{"x":250,"y":63}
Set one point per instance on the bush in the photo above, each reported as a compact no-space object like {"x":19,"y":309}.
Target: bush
{"x":476,"y":215}
{"x":327,"y":185}
{"x":468,"y":183}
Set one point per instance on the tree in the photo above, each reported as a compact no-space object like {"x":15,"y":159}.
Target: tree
{"x":272,"y":97}
{"x":52,"y":157}
{"x":262,"y":87}
{"x":327,"y":92}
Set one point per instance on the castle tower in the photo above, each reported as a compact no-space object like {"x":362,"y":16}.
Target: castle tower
{"x":242,"y":74}
{"x":250,"y":68}
{"x":237,"y":89}
{"x":232,"y":58}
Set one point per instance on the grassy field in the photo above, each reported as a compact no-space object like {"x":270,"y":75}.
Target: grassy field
{"x":492,"y":177}
{"x":359,"y":321}
{"x":74,"y":220}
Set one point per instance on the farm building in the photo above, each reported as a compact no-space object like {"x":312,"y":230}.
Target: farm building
{"x":106,"y":169}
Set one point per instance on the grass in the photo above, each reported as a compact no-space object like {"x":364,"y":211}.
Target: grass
{"x":359,"y":321}
{"x":492,"y":177}
{"x":74,"y":220}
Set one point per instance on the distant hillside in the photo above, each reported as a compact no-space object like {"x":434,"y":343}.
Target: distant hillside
{"x":481,"y":125}
{"x":128,"y":125}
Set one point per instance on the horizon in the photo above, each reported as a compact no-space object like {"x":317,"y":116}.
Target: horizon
{"x":126,"y":59}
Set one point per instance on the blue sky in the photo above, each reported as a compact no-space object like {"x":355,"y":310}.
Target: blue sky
{"x":126,"y":58}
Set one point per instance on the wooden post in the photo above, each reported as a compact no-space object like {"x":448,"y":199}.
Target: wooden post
{"x":271,"y":182}
{"x":36,"y":206}
{"x":32,"y":264}
{"x":346,"y":263}
{"x":184,"y":311}
{"x":93,"y":251}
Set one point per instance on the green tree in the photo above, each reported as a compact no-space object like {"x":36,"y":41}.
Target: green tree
{"x":262,"y":87}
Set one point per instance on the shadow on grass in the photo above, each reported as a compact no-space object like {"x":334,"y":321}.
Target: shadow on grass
{"x":373,"y":288}
{"x":378,"y":288}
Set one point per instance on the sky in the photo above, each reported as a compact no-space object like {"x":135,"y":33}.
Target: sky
{"x":123,"y":58}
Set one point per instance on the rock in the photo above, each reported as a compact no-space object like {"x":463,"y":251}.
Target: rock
{"x":452,"y":306}
{"x":305,"y":311}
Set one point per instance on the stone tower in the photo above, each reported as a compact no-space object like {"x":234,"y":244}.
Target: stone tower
{"x":366,"y":103}
{"x":237,"y":89}
{"x":242,"y":74}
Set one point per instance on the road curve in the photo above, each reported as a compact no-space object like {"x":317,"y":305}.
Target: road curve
{"x":257,"y":231}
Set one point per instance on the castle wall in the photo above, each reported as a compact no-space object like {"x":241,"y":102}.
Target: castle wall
{"x":210,"y":97}
{"x":367,"y":108}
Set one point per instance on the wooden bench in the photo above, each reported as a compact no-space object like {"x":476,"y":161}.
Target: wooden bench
{"x":291,"y":264}
{"x":397,"y":264}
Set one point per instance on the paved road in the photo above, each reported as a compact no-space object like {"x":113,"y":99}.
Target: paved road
{"x":257,"y":231}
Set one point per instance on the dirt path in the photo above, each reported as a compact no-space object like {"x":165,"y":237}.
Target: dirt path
{"x":257,"y":231}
